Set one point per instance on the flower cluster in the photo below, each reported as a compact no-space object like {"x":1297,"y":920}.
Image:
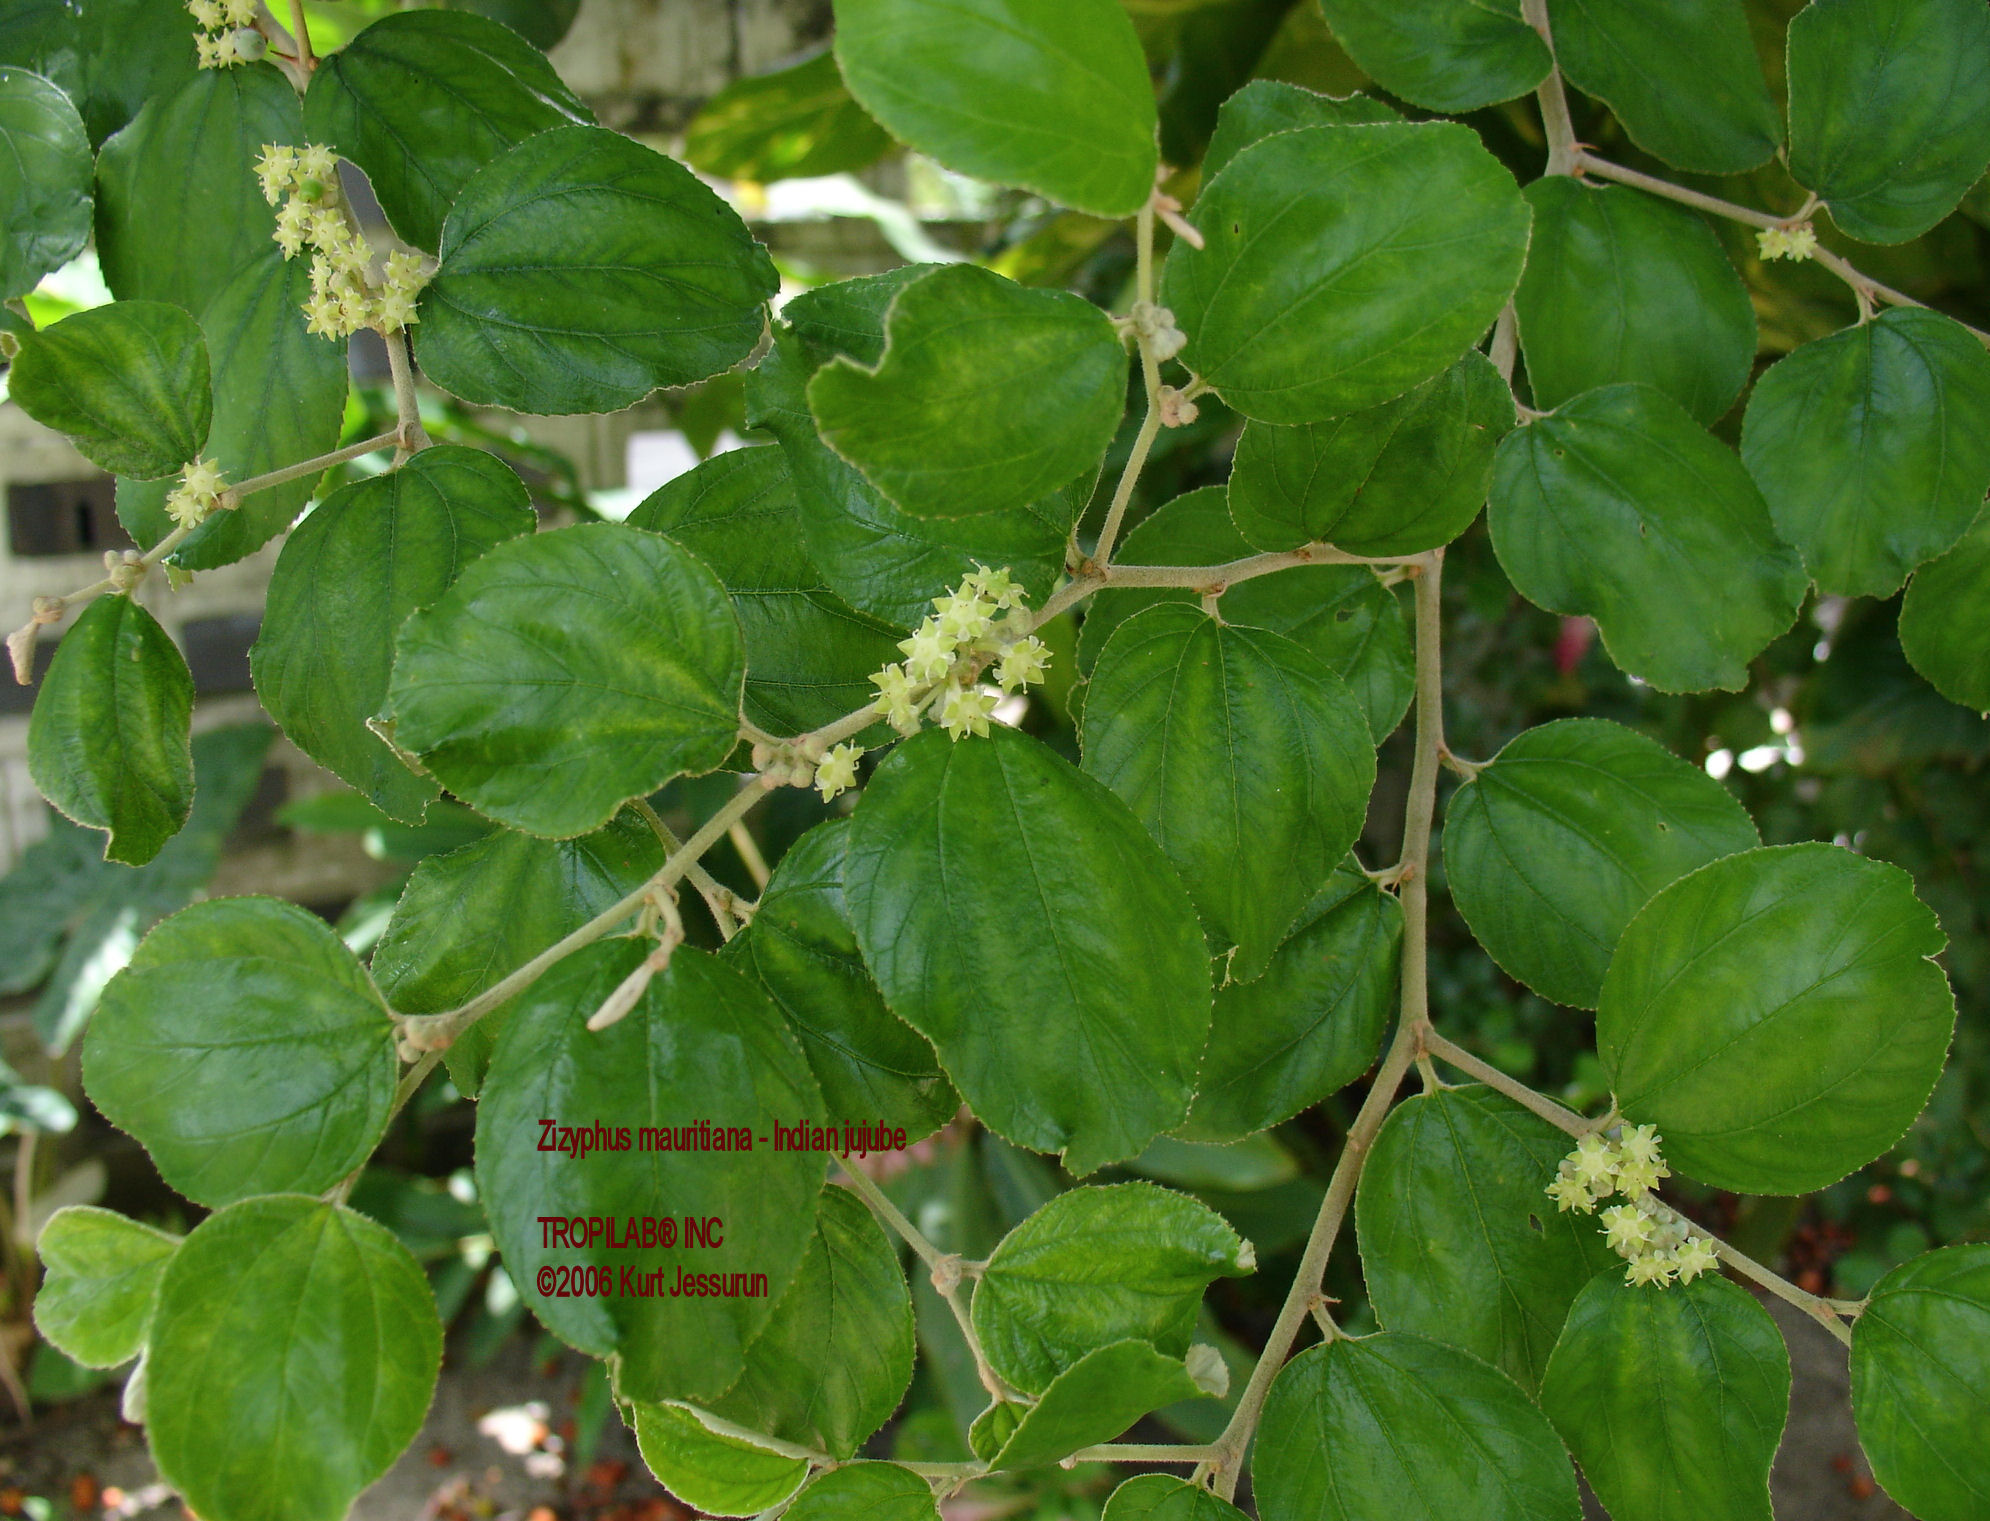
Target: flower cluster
{"x":984,"y":620}
{"x":345,"y":296}
{"x":1659,"y":1246}
{"x":227,"y":33}
{"x":199,"y":492}
{"x":1798,"y":242}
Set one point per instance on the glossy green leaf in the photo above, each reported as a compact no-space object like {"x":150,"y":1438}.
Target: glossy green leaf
{"x":702,"y":1043}
{"x":989,"y":395}
{"x":1159,"y":1497}
{"x":1245,"y":756}
{"x":371,"y":554}
{"x":1089,"y":985}
{"x":480,"y":912}
{"x":1698,"y":1371}
{"x":1458,"y":1239}
{"x":1620,"y":506}
{"x":1622,"y":286}
{"x":1265,"y":106}
{"x":836,"y":1358}
{"x":1945,"y":621}
{"x":1553,"y":847}
{"x":107,"y":742}
{"x":1872,"y":447}
{"x":109,"y":56}
{"x":721,"y":1474}
{"x":46,"y":177}
{"x":543,"y":23}
{"x":1681,"y":75}
{"x":1396,"y":479}
{"x":564,"y":673}
{"x":791,"y":124}
{"x":1312,"y":1023}
{"x":292,"y":1358}
{"x":873,"y":1067}
{"x":1341,"y":613}
{"x":809,"y":654}
{"x":1444,"y":55}
{"x":1778,"y":1015}
{"x":179,"y":211}
{"x":128,"y":383}
{"x":101,"y":1280}
{"x":246,"y":1050}
{"x":1921,"y":1382}
{"x":580,"y":271}
{"x":1100,"y":1265}
{"x":879,"y":559}
{"x":279,"y":399}
{"x":1049,"y":95}
{"x":866,"y":1492}
{"x":1889,"y":110}
{"x":424,"y":99}
{"x":1345,"y":265}
{"x":1395,"y":1425}
{"x":1094,"y":1400}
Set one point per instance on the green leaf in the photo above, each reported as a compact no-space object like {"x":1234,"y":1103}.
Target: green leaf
{"x":246,"y":1050}
{"x":1553,"y":847}
{"x":179,"y":211}
{"x":719,"y":1473}
{"x":879,"y":559}
{"x":988,"y":395}
{"x":103,"y":1273}
{"x":1872,"y":447}
{"x":1311,"y":1024}
{"x":1089,"y":983}
{"x":543,"y":23}
{"x":128,"y":383}
{"x":701,"y":1043}
{"x":1100,"y":1265}
{"x":477,"y":914}
{"x":1697,"y":1371}
{"x":1889,"y":110}
{"x":1620,"y":506}
{"x":1245,"y":756}
{"x":1621,"y":286}
{"x":1921,"y":1382}
{"x":1778,"y":1015}
{"x":1159,"y":1497}
{"x":52,"y":884}
{"x":260,"y":1293}
{"x":372,"y":553}
{"x":1945,"y":621}
{"x":1444,"y":55}
{"x":564,"y":673}
{"x":836,"y":1358}
{"x":1266,"y":106}
{"x":1394,"y":1425}
{"x":580,"y":271}
{"x":866,"y":1492}
{"x":1094,"y":1400}
{"x":46,"y":178}
{"x":1049,"y":95}
{"x":1396,"y":479}
{"x":279,"y":399}
{"x":872,"y":1066}
{"x":791,"y":124}
{"x":809,"y":654}
{"x":1681,"y":75}
{"x":1345,"y":265}
{"x":109,"y":57}
{"x":107,"y":742}
{"x":422,"y":100}
{"x":1458,"y":1240}
{"x":1341,"y":613}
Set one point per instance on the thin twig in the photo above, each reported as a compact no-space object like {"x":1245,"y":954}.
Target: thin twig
{"x":301,"y":35}
{"x":1562,"y":147}
{"x":718,"y":897}
{"x":407,"y":406}
{"x":1555,"y":1114}
{"x":1150,"y":374}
